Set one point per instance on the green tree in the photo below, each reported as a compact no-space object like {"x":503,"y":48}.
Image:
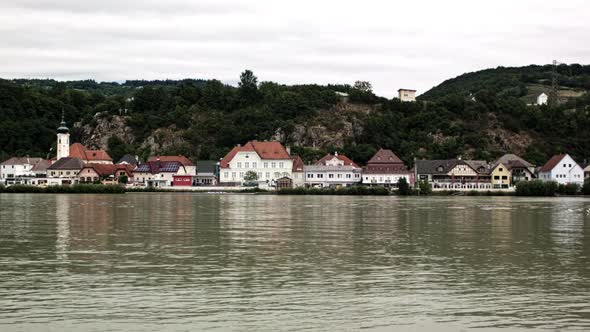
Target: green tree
{"x":403,"y":186}
{"x":250,"y":176}
{"x":248,"y":88}
{"x":425,"y":188}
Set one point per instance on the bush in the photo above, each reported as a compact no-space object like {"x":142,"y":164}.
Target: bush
{"x":403,"y":187}
{"x":73,"y":189}
{"x":536,"y":188}
{"x":425,"y":188}
{"x":586,"y":187}
{"x":354,"y":190}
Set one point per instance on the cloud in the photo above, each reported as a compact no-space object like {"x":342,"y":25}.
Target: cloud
{"x":392,"y":44}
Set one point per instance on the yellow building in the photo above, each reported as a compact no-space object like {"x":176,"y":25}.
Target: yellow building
{"x":501,"y":177}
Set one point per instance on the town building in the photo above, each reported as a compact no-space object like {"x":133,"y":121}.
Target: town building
{"x":454,"y":174}
{"x":23,"y":170}
{"x":64,"y":171}
{"x":77,"y":150}
{"x":562,"y":169}
{"x":268,"y":161}
{"x":542,"y":99}
{"x":406,"y":94}
{"x":587,"y":172}
{"x":129,"y":159}
{"x":333,"y":170}
{"x":298,"y":172}
{"x":188,"y":166}
{"x":207,"y":173}
{"x":105,"y":173}
{"x":386,"y":169}
{"x":160,"y":173}
{"x":510,"y":169}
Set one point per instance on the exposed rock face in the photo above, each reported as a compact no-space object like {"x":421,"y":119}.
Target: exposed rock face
{"x":97,"y":134}
{"x":168,"y":140}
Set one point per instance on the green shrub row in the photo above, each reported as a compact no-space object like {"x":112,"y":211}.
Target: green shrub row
{"x":72,"y":189}
{"x":354,"y":190}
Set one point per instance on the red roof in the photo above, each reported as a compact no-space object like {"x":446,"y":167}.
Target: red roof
{"x":552,"y":163}
{"x":297,"y":164}
{"x":385,"y":156}
{"x":110,"y":169}
{"x":347,"y":161}
{"x":265,"y":150}
{"x":184,"y":161}
{"x":79,"y":151}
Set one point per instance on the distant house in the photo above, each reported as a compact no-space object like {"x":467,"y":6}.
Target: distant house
{"x":187,"y":164}
{"x":406,"y":95}
{"x":343,"y":97}
{"x":159,"y":173}
{"x":207,"y":173}
{"x":510,"y":169}
{"x":104,"y":173}
{"x":333,"y":170}
{"x":454,"y":174}
{"x":385,"y":169}
{"x":23,"y":170}
{"x":64,"y":171}
{"x":562,"y":169}
{"x":129,"y":159}
{"x":542,"y":99}
{"x":269,"y":160}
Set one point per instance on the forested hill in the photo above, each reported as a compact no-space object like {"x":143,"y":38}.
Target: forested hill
{"x":477,"y":115}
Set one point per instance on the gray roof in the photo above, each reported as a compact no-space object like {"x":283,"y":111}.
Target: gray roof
{"x":67,"y":163}
{"x":21,"y":161}
{"x":511,"y":159}
{"x":129,"y":159}
{"x":206,"y":166}
{"x":432,"y":166}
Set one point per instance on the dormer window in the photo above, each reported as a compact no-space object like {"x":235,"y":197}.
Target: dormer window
{"x":439,"y":169}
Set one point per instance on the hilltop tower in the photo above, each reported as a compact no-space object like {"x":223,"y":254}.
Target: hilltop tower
{"x":63,"y":139}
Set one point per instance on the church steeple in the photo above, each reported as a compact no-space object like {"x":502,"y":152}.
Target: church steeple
{"x":63,"y":139}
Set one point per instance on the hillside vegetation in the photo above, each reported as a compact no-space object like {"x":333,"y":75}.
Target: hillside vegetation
{"x":477,"y":115}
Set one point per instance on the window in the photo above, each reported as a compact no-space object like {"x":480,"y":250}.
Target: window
{"x":239,"y":164}
{"x":241,"y":175}
{"x":310,"y":175}
{"x":233,"y":175}
{"x":496,"y":177}
{"x":330,"y":176}
{"x":253,"y":164}
{"x":357,"y":176}
{"x":340,"y":176}
{"x":265,"y":165}
{"x":268,"y":175}
{"x":246,"y":165}
{"x":281,"y":165}
{"x":259,"y":175}
{"x":501,"y":170}
{"x":320,"y":176}
{"x":504,"y":177}
{"x":226,"y":175}
{"x":273,"y":165}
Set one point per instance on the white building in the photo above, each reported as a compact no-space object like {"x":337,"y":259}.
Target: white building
{"x":298,"y":172}
{"x":542,"y":99}
{"x":406,"y":94}
{"x":269,"y":161}
{"x":23,"y":170}
{"x":332,"y":171}
{"x":159,"y":173}
{"x":386,"y":169}
{"x":562,"y":169}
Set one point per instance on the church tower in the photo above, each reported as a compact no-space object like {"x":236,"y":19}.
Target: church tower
{"x":63,"y":140}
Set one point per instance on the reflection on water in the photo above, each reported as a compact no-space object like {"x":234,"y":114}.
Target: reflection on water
{"x":176,"y":262}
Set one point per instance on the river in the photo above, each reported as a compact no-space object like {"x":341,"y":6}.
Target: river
{"x":190,"y":262}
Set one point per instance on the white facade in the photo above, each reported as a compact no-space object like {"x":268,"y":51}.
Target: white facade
{"x":384,"y":178}
{"x":18,"y":170}
{"x":298,"y":179}
{"x":331,"y":176}
{"x":63,"y":145}
{"x":267,"y":170}
{"x":406,"y":95}
{"x":566,"y":171}
{"x":542,"y":99}
{"x":162,"y":179}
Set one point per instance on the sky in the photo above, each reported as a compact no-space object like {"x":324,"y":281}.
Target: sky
{"x":392,"y":44}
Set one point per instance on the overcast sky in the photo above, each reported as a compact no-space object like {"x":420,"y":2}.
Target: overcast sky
{"x":393,"y":44}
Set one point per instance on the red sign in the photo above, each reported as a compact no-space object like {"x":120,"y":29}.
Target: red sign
{"x":182,"y":180}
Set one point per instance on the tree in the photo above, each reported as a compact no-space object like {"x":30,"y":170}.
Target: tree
{"x":123,"y":179}
{"x":586,"y":187}
{"x":251,"y":176}
{"x":425,"y":188}
{"x":363,"y":86}
{"x":403,"y":186}
{"x":248,"y":88}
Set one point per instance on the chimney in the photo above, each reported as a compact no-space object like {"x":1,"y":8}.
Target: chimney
{"x":335,"y":153}
{"x":288,"y":148}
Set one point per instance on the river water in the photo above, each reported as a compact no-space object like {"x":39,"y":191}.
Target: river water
{"x":190,"y":262}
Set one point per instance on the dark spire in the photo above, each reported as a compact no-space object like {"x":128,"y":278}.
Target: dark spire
{"x":63,"y":129}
